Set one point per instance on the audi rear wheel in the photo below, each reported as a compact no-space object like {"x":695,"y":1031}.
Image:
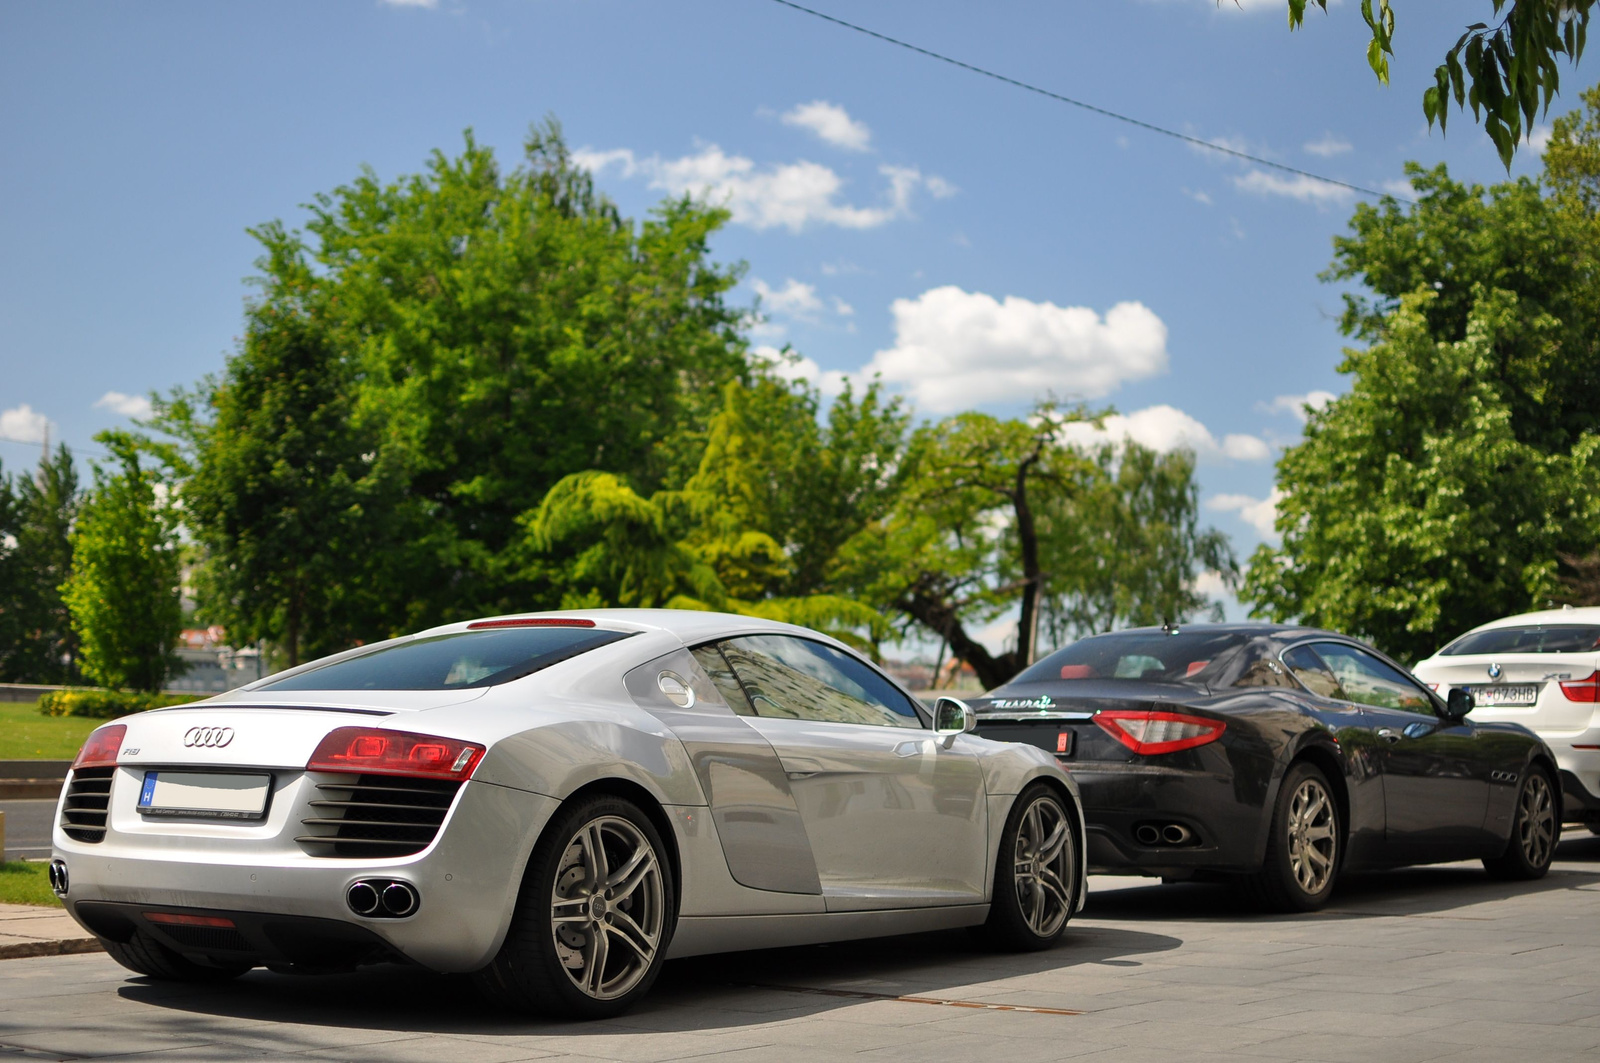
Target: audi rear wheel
{"x":1037,"y":877}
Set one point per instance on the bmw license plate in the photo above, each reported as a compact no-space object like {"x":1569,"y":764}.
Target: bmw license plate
{"x":205,"y":795}
{"x":1508,"y":694}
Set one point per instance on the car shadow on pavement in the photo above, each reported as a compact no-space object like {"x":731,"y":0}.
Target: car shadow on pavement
{"x":1425,"y":890}
{"x":702,"y":994}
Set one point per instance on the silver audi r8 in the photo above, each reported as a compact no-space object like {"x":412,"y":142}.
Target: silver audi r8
{"x":559,"y":803}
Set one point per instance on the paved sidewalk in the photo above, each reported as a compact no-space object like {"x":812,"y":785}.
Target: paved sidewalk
{"x":1406,"y":967}
{"x":28,"y":931}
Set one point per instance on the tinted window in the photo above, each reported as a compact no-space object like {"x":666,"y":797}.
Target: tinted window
{"x":805,"y":680}
{"x":1533,"y":638}
{"x":456,"y":661}
{"x":1370,"y":681}
{"x":1312,"y":673}
{"x":1135,"y":655}
{"x":722,"y":676}
{"x":1260,"y":668}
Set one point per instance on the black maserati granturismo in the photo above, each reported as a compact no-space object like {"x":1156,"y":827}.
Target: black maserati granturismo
{"x":1278,"y":755}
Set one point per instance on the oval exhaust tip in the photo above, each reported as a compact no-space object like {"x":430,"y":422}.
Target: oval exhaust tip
{"x":362,"y":898}
{"x":1176,"y":834}
{"x":1146,"y":834}
{"x":399,"y":899}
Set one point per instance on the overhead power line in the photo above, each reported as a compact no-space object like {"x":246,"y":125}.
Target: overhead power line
{"x":1147,"y":126}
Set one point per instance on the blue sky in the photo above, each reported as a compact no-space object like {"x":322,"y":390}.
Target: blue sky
{"x":976,"y":244}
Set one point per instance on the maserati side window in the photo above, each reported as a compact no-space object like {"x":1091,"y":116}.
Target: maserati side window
{"x":1312,"y":673}
{"x":805,"y":680}
{"x":722,"y":676}
{"x":1370,"y":681}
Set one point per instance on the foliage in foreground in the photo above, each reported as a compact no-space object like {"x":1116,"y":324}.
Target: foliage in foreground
{"x":96,"y":704}
{"x":1443,"y":489}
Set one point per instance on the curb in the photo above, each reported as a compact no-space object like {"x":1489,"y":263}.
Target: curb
{"x":66,"y":947}
{"x":30,"y":789}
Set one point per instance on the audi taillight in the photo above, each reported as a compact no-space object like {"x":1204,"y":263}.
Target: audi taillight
{"x":1585,"y":689}
{"x":100,"y":751}
{"x":1148,"y":731}
{"x":371,"y":751}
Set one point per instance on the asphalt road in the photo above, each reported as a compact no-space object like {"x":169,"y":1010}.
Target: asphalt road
{"x":1424,"y":964}
{"x":27,"y":828}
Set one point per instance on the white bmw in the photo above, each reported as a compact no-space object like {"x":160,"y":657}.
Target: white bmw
{"x":1541,"y":670}
{"x":559,"y":803}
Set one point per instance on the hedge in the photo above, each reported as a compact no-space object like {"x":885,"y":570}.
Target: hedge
{"x":106,"y":704}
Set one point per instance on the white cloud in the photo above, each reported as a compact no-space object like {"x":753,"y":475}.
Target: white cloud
{"x":1298,"y":186}
{"x":127,"y":405}
{"x":1198,"y":196}
{"x":24,"y":424}
{"x":939,"y":188}
{"x":1539,"y":138}
{"x":791,"y":195}
{"x":1328,"y":146}
{"x":411,"y":3}
{"x":1259,"y":512}
{"x":794,"y":299}
{"x":831,"y":123}
{"x":1295,"y":405}
{"x":1165,"y":429}
{"x":1397,"y":186}
{"x":1211,"y":584}
{"x":955,"y":349}
{"x":842,"y":308}
{"x":791,"y":366}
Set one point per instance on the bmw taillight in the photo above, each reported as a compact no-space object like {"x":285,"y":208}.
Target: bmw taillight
{"x":372,"y":751}
{"x":1585,"y":689}
{"x":1149,"y":731}
{"x":100,"y":751}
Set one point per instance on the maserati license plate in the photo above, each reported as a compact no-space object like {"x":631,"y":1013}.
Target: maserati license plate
{"x":206,"y":795}
{"x":1509,"y":694}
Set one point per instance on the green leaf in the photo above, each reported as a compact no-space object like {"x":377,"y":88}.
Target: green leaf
{"x":1378,"y":61}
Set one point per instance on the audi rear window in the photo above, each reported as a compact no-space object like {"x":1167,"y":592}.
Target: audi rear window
{"x":1139,"y":655}
{"x":457,"y":661}
{"x":1530,"y":638}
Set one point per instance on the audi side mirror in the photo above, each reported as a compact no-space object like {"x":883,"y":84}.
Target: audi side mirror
{"x":1458,"y":703}
{"x":952,"y":717}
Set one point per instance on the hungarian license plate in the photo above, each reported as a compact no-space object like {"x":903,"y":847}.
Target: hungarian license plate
{"x":1509,"y":694}
{"x":206,"y":795}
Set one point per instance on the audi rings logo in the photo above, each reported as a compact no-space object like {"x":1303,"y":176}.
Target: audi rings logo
{"x":207,"y":737}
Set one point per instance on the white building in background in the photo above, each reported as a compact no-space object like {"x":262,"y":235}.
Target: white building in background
{"x":212,"y":666}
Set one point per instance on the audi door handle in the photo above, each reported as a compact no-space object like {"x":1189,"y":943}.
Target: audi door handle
{"x":1387,"y":735}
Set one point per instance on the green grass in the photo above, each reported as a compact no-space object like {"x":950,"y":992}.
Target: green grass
{"x":26,"y":735}
{"x":26,"y":883}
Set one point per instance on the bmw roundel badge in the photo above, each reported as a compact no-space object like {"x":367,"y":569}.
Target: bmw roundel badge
{"x":1494,"y":670}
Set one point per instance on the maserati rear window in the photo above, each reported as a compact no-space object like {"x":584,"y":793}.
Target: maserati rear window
{"x":456,"y":661}
{"x":1530,"y":638}
{"x":1135,"y":655}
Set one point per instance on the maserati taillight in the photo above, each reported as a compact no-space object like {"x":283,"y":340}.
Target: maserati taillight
{"x":1149,"y":731}
{"x":373,"y":751}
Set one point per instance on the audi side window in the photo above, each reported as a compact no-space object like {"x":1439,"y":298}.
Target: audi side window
{"x":727,"y":684}
{"x":1369,"y":680}
{"x":804,"y":680}
{"x":1312,"y":673}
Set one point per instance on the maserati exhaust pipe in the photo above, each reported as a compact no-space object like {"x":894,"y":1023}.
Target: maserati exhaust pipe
{"x":362,"y":897}
{"x":1147,"y":834}
{"x":1176,"y":834}
{"x":400,"y":899}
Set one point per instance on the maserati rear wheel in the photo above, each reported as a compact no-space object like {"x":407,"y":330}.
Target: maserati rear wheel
{"x":594,"y":918}
{"x":1534,"y":831}
{"x":1302,"y":859}
{"x":1036,"y":879}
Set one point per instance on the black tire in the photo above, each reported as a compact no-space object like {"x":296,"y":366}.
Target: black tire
{"x":1535,"y":830}
{"x":1037,"y":875}
{"x":531,"y":971}
{"x":1305,"y":844}
{"x":144,"y":955}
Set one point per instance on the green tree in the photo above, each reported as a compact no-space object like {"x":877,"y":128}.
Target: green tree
{"x":1443,"y":490}
{"x":123,"y":590}
{"x":13,"y":578}
{"x":1000,"y":516}
{"x":45,"y":650}
{"x":1507,"y":72}
{"x":425,"y":362}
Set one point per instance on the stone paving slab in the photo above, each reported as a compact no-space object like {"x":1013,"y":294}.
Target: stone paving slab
{"x":1407,"y":967}
{"x":29,"y":931}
